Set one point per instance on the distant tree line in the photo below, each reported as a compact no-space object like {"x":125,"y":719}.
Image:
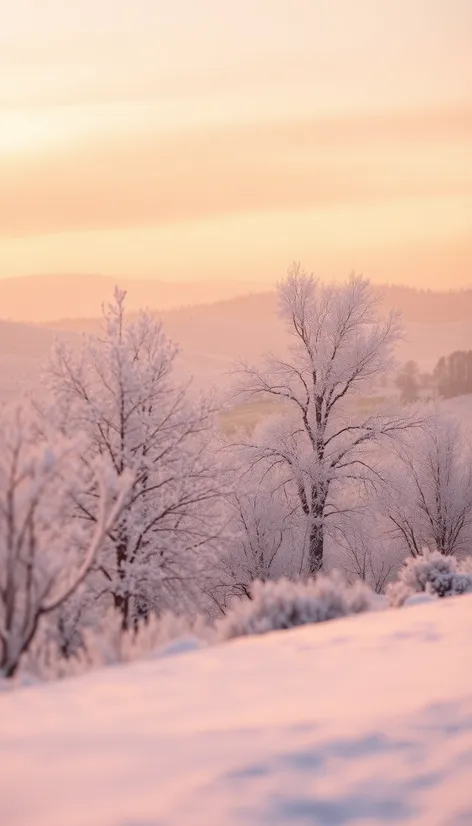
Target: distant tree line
{"x":452,"y":376}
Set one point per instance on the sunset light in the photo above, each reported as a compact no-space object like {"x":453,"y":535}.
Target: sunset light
{"x":141,"y":118}
{"x":235,"y":412}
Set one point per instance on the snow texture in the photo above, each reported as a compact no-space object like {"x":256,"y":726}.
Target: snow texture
{"x":362,"y":721}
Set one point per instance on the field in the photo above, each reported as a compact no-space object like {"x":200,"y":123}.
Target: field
{"x":247,"y":415}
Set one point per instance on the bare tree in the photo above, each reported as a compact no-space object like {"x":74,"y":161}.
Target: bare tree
{"x":264,"y":542}
{"x":320,"y":444}
{"x":428,"y":495}
{"x":362,"y":548}
{"x":43,"y":557}
{"x":120,"y":392}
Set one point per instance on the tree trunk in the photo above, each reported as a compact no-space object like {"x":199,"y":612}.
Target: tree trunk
{"x":316,"y":540}
{"x":316,"y":547}
{"x":141,"y":613}
{"x":122,"y":600}
{"x":8,"y":669}
{"x":121,"y":604}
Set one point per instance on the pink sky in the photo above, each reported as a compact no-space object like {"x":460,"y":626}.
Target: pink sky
{"x":223,"y":139}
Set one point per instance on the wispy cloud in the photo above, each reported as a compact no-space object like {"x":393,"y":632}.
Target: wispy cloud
{"x":126,"y":120}
{"x":134,"y":178}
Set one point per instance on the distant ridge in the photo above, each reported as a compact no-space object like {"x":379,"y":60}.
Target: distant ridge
{"x":66,"y":301}
{"x":427,"y":306}
{"x":212,"y":336}
{"x":43,"y":298}
{"x":418,"y":306}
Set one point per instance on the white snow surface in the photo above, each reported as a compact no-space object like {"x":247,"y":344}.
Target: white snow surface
{"x":363,"y":720}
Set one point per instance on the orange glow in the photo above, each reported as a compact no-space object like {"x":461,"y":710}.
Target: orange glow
{"x":136,"y":140}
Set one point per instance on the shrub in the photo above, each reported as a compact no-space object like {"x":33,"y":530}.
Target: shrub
{"x":281,"y":604}
{"x":431,"y":573}
{"x":107,"y":644}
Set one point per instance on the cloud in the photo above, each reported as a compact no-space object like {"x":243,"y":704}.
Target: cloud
{"x":102,"y":51}
{"x":138,"y":175}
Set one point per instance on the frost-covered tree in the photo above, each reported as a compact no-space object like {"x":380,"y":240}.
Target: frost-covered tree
{"x":265,"y":535}
{"x":320,"y":445}
{"x":44,"y":555}
{"x":362,"y":548}
{"x":119,"y":390}
{"x":265,"y":540}
{"x":428,"y":495}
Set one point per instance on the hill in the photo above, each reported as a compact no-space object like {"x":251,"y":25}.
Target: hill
{"x":212,"y":336}
{"x":215,"y":334}
{"x":43,"y":298}
{"x":429,"y":306}
{"x":364,"y":720}
{"x":23,"y":350}
{"x":417,"y":306}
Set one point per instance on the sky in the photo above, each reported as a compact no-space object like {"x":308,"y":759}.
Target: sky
{"x":223,"y":139}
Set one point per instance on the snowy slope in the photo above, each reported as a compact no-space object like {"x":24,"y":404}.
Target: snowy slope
{"x":365,"y":720}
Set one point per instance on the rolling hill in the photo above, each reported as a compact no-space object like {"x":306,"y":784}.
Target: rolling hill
{"x":23,"y":350}
{"x":43,"y":298}
{"x":215,"y":334}
{"x":212,"y":336}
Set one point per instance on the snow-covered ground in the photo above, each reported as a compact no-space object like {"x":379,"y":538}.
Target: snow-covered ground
{"x":362,"y":721}
{"x":460,"y":408}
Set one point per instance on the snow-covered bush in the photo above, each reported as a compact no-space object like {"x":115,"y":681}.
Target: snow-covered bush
{"x":109,"y":644}
{"x":275,"y":606}
{"x":431,"y":573}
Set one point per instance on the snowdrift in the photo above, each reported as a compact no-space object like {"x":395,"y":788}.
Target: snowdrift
{"x":365,"y":720}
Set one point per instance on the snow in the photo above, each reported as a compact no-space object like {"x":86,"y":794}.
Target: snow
{"x":460,"y":408}
{"x":363,"y":721}
{"x":419,"y":599}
